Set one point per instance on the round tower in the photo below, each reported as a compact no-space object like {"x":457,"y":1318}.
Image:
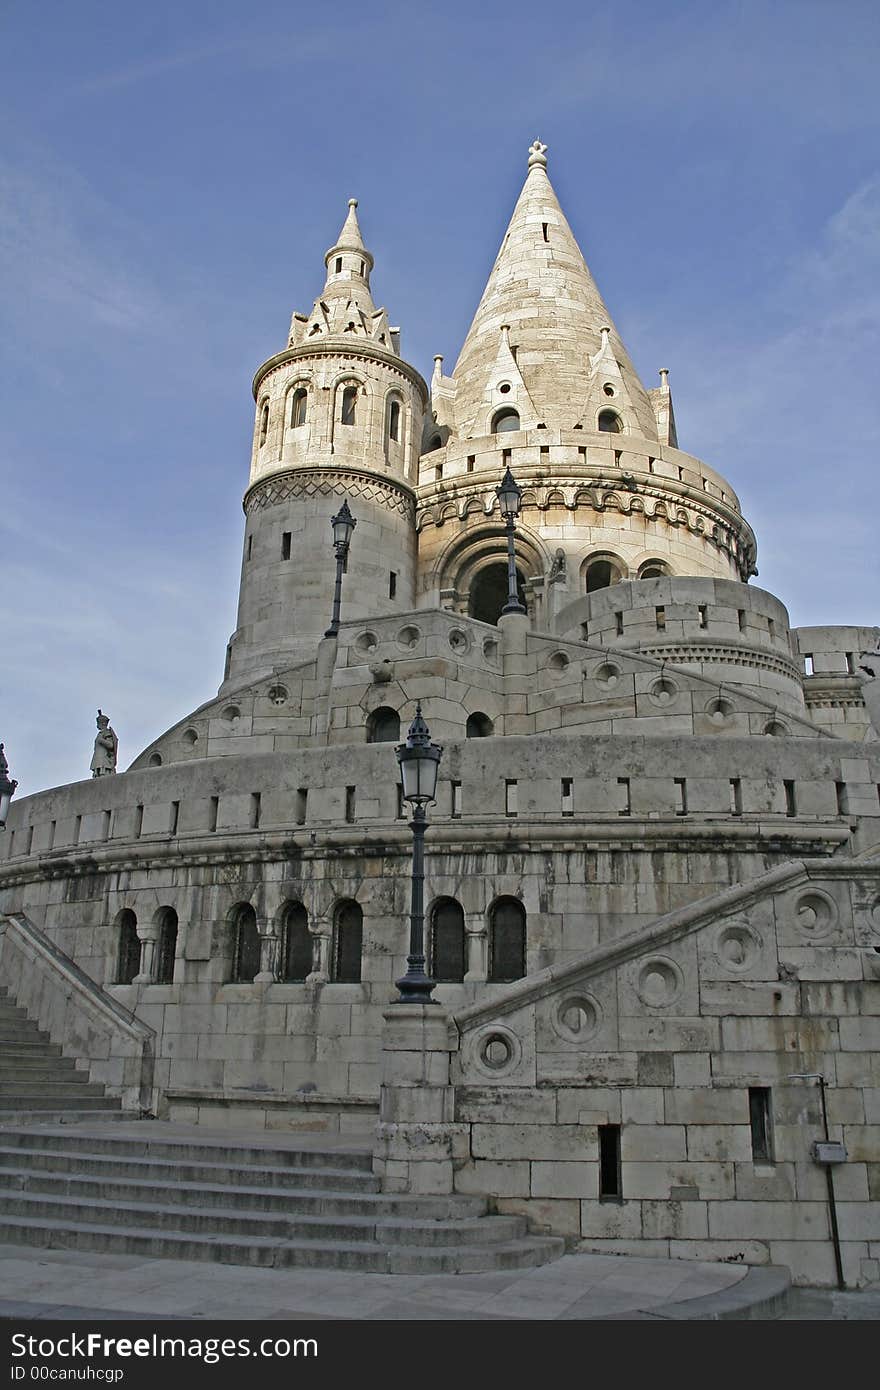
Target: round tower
{"x":544,"y":385}
{"x":338,"y":416}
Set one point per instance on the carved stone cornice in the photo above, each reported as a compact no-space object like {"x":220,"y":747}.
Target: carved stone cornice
{"x":304,"y":483}
{"x":341,"y":348}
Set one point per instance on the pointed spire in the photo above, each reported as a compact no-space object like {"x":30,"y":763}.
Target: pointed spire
{"x":540,"y":285}
{"x":350,"y":238}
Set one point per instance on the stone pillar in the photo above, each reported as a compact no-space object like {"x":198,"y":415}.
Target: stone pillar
{"x":270,"y":946}
{"x":477,"y":945}
{"x":148,"y":936}
{"x":321,"y":939}
{"x":416,"y":1139}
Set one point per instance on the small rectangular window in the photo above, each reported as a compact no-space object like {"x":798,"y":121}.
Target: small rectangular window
{"x":471,"y":463}
{"x":250,"y":546}
{"x":438,"y":472}
{"x":761,"y":1122}
{"x":741,"y":618}
{"x":582,"y":451}
{"x":350,"y":803}
{"x":29,"y":842}
{"x":455,"y":811}
{"x":256,"y":810}
{"x":213,"y":811}
{"x":660,"y":617}
{"x":680,"y":474}
{"x":681,"y":793}
{"x":506,"y":457}
{"x":302,"y":805}
{"x":650,"y":464}
{"x":790,"y":799}
{"x":510,"y":807}
{"x":77,"y":829}
{"x":808,"y":664}
{"x":392,"y":584}
{"x":618,"y":455}
{"x":610,"y":1178}
{"x":705,"y":484}
{"x":624,"y":805}
{"x":703,"y":618}
{"x":545,"y":451}
{"x":842,"y":798}
{"x":51,"y":844}
{"x":138,"y":821}
{"x":544,"y":231}
{"x":771,"y":627}
{"x":850,"y":664}
{"x":567,"y":787}
{"x":285,"y":545}
{"x":736,"y":800}
{"x":338,"y":264}
{"x":173,"y":818}
{"x":618,"y":620}
{"x":401,"y":804}
{"x":105,"y":829}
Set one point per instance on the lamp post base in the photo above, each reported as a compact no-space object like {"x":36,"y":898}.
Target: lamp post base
{"x":415,"y":986}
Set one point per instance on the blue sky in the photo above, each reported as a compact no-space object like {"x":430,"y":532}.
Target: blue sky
{"x":171,"y":175}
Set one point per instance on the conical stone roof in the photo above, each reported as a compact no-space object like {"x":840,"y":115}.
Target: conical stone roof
{"x":541,"y":289}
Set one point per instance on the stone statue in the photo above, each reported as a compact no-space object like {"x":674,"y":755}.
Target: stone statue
{"x":557,"y":567}
{"x":106,"y":745}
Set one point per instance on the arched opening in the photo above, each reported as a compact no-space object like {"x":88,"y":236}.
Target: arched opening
{"x":246,"y":960}
{"x":507,"y":941}
{"x":299,"y":405}
{"x":296,"y":943}
{"x":349,"y":405}
{"x":479,"y":726}
{"x":167,"y":946}
{"x":128,"y":954}
{"x":601,"y":574}
{"x":264,"y":423}
{"x":394,"y":420}
{"x":503,"y":421}
{"x":489,"y":592}
{"x":654,"y":569}
{"x":433,"y":443}
{"x":609,"y":422}
{"x":348,"y":932}
{"x":447,"y":942}
{"x":383,"y":725}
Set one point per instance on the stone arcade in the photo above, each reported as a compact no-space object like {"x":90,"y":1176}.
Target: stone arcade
{"x":653,"y":882}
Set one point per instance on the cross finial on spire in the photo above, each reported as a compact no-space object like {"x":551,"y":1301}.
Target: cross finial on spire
{"x":537,"y":155}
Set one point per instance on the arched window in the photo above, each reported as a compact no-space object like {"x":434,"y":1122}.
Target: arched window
{"x":348,"y":932}
{"x":504,"y":421}
{"x":264,"y":423}
{"x":507,"y":940}
{"x":489,"y":592}
{"x":296,"y":943}
{"x":167,"y":946}
{"x":128,"y":956}
{"x":383,"y":725}
{"x":298,"y":407}
{"x":600,"y":574}
{"x":479,"y":726}
{"x":433,"y":443}
{"x":447,"y":942}
{"x":349,"y":405}
{"x":654,"y":569}
{"x":246,"y":961}
{"x":609,"y":422}
{"x":394,"y":420}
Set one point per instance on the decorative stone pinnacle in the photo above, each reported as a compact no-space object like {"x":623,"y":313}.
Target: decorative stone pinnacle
{"x":352,"y":202}
{"x":664,"y":376}
{"x":537,"y":155}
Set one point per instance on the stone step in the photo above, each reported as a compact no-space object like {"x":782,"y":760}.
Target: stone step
{"x":57,"y":1089}
{"x":61,"y":1099}
{"x":35,"y":1061}
{"x":24,"y":1048}
{"x":289,"y":1200}
{"x":26,"y":1032}
{"x":202,"y":1151}
{"x":11,"y":1119}
{"x":164,"y":1172}
{"x":233,"y":1222}
{"x":11,"y":1011}
{"x":523,"y":1253}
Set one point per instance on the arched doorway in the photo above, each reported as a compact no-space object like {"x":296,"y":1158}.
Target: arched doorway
{"x":489,"y":592}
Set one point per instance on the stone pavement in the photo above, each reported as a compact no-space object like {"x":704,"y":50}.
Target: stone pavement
{"x":46,"y":1284}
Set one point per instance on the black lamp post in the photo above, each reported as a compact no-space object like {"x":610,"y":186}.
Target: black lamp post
{"x":419,"y":761}
{"x":7,"y":788}
{"x":343,"y":524}
{"x":509,"y":496}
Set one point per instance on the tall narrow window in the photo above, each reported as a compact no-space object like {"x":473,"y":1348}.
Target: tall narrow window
{"x":808,"y":664}
{"x":618,"y":623}
{"x":349,"y":405}
{"x":138,"y":821}
{"x":285,"y":545}
{"x":471,"y":463}
{"x":510,"y":798}
{"x":624,"y":805}
{"x":52,"y":824}
{"x":842,"y":798}
{"x":447,"y":941}
{"x":741,"y":618}
{"x":338,"y":264}
{"x":567,"y":796}
{"x":296,"y":943}
{"x":736,"y":799}
{"x":610,"y":1180}
{"x":256,"y":810}
{"x":250,"y":547}
{"x":77,"y":829}
{"x":174,"y":818}
{"x":246,"y":957}
{"x":394,"y":421}
{"x":298,"y":407}
{"x":790,"y":799}
{"x":850,"y":663}
{"x":681,"y":795}
{"x":702,"y":610}
{"x":660,"y":619}
{"x":264,"y":423}
{"x":105,"y":830}
{"x":302,"y":805}
{"x":350,"y":803}
{"x":213,"y":811}
{"x":128,"y":955}
{"x":455,"y":802}
{"x":392,"y":584}
{"x":761,"y":1122}
{"x":507,"y":941}
{"x":167,"y":948}
{"x":348,"y":930}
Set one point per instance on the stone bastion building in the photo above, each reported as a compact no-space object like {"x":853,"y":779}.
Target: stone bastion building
{"x":653,"y":865}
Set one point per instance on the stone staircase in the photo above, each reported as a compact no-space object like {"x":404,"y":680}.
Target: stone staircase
{"x":193,"y":1198}
{"x":36,"y":1081}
